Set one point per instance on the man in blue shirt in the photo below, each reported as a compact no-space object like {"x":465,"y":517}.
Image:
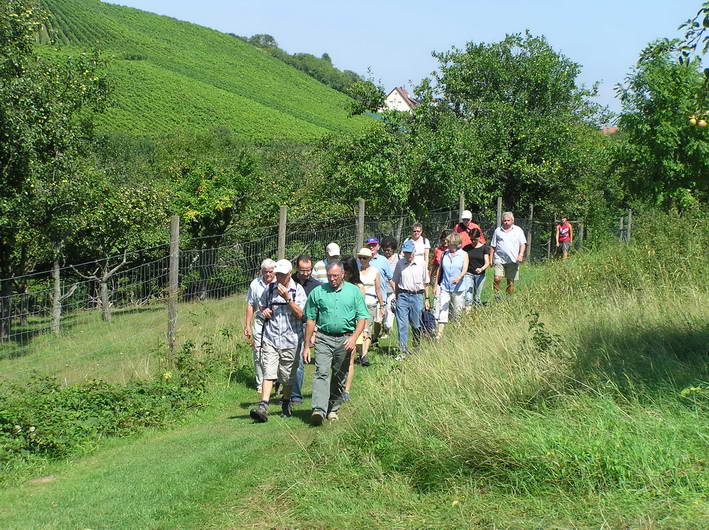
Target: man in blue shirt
{"x":381,"y":263}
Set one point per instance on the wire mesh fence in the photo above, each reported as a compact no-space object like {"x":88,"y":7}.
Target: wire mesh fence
{"x":47,"y":310}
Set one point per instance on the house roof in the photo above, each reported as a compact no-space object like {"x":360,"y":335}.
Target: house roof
{"x":411,"y":102}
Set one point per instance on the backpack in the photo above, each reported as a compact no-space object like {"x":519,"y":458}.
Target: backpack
{"x":428,"y":324}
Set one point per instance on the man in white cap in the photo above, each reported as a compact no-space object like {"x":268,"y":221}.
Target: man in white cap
{"x":282,"y":308}
{"x":320,"y":268}
{"x":465,"y":226}
{"x":411,"y":289}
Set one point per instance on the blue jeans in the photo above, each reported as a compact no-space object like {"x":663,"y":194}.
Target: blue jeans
{"x":474,"y":287}
{"x":297,"y":392}
{"x":408,"y":311}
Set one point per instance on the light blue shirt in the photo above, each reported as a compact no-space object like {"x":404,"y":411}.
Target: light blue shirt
{"x":381,"y":263}
{"x":452,"y":267}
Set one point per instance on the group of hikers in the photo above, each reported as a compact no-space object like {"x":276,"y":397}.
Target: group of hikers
{"x":339,"y":306}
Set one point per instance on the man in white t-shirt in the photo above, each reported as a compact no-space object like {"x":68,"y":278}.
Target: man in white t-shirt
{"x":507,"y":252}
{"x":422,"y":246}
{"x":320,"y":268}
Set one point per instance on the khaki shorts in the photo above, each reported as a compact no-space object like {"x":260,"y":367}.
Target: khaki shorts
{"x":565,"y":245}
{"x":509,"y":270}
{"x":279,"y":364}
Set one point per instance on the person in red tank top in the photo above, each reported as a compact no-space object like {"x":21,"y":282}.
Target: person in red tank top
{"x":564,"y":236}
{"x":465,"y":226}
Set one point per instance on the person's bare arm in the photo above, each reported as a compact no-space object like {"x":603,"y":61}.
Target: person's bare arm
{"x":351,"y":342}
{"x":378,"y":291}
{"x":520,"y":257}
{"x":249,"y":321}
{"x":309,"y":330}
{"x":557,"y":235}
{"x":466,"y":261}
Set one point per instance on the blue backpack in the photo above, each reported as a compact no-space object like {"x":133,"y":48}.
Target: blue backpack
{"x":428,"y":324}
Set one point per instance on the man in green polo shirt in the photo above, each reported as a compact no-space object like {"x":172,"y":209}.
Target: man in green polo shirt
{"x":337,"y":308}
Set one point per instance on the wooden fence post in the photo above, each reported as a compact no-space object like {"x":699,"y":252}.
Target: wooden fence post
{"x":359,"y":243}
{"x":282,"y":220}
{"x":173,"y":282}
{"x":630,"y":224}
{"x":621,"y":234}
{"x":529,"y":231}
{"x":461,"y":204}
{"x":499,"y":211}
{"x":549,"y":243}
{"x":581,"y":234}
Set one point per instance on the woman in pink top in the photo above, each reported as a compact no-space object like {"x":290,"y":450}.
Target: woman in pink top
{"x":564,"y":236}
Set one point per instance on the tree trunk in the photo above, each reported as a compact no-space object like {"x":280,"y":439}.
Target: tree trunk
{"x":105,"y":301}
{"x":56,"y":296}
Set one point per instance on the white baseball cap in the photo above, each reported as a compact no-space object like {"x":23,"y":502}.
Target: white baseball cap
{"x":333,"y":249}
{"x":283,"y":266}
{"x":467,"y":214}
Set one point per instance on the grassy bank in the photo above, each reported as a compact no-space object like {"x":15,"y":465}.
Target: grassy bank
{"x":583,"y":401}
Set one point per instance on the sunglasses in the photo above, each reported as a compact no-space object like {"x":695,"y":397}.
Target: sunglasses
{"x":364,"y":258}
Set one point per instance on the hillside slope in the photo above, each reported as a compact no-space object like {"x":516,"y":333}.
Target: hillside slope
{"x":170,"y":74}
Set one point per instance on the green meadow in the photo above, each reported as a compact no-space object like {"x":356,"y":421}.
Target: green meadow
{"x":580,"y":402}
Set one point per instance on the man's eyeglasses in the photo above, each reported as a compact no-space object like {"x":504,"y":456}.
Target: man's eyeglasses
{"x":364,"y":258}
{"x":305,"y":271}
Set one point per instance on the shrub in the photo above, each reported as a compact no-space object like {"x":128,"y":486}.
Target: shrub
{"x":44,"y":418}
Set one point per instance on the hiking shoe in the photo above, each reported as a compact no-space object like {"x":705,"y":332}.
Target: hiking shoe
{"x":332,"y":416}
{"x":316,"y":418}
{"x":345,"y":396}
{"x":400,"y":357}
{"x":287,"y":408}
{"x":364,"y":361}
{"x":260,"y":413}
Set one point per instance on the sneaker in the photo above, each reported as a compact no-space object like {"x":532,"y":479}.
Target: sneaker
{"x":260,"y":413}
{"x":296,"y":401}
{"x":316,"y":418}
{"x":345,"y":396}
{"x":384,"y":336}
{"x":400,"y":357}
{"x":287,"y":408}
{"x":332,"y":416}
{"x":364,"y":361}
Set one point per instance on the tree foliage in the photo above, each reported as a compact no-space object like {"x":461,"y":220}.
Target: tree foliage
{"x":664,"y":158}
{"x":45,"y":107}
{"x":367,"y":97}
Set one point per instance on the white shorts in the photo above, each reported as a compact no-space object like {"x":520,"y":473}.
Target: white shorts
{"x":278,"y":364}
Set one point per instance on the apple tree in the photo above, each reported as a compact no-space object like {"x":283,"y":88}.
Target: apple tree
{"x":46,"y":105}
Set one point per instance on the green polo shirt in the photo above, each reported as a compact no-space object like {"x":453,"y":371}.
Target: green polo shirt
{"x":336,"y":311}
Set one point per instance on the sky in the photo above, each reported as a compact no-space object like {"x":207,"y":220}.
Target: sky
{"x":395,"y":39}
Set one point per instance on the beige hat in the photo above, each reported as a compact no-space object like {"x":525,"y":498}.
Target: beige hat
{"x":333,"y":249}
{"x":283,"y":266}
{"x":364,"y":253}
